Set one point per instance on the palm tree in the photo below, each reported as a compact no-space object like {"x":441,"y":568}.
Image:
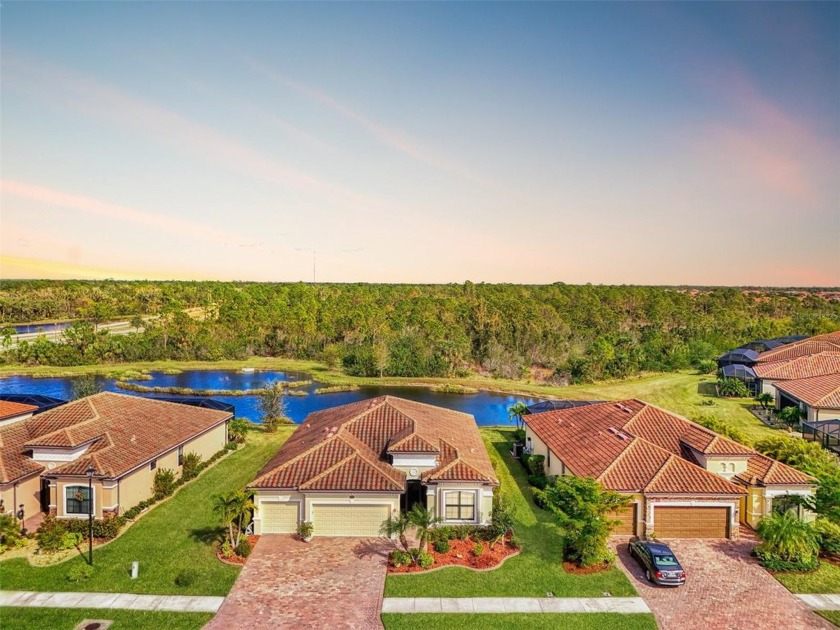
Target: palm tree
{"x":396,"y":525}
{"x":424,"y":521}
{"x":238,"y":429}
{"x":517,"y":411}
{"x":233,"y":508}
{"x":791,"y":415}
{"x":765,"y":400}
{"x":789,"y":538}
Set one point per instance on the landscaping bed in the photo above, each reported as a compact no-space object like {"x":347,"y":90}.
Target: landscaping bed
{"x":462,"y":554}
{"x":236,"y":559}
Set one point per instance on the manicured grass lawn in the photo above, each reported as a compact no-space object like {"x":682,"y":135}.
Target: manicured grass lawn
{"x":533,"y":621}
{"x":173,"y":537}
{"x":832,"y":615}
{"x":826,"y":579}
{"x":535,"y":572}
{"x":69,"y":618}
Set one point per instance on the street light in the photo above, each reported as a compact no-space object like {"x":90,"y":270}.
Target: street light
{"x":89,"y":472}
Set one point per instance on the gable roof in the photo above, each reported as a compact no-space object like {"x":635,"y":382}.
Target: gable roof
{"x":829,"y":342}
{"x":820,"y":392}
{"x":14,"y":409}
{"x":344,"y":448}
{"x":805,"y":366}
{"x":122,"y":432}
{"x":633,"y":446}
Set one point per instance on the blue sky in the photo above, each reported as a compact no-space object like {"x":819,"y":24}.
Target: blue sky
{"x":646,"y":143}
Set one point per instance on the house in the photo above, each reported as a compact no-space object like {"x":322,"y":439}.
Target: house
{"x":817,"y":397}
{"x":347,"y":468}
{"x":806,"y":366}
{"x":44,"y":459}
{"x":829,"y":342}
{"x":684,"y":480}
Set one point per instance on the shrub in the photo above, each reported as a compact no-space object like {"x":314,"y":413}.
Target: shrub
{"x":425,"y":559}
{"x":226,"y":549}
{"x":706,"y":366}
{"x":305,"y":529}
{"x":501,"y":520}
{"x":9,"y":530}
{"x":132,"y":513}
{"x":538,"y":481}
{"x":79,"y":573}
{"x":519,"y":436}
{"x":732,"y":387}
{"x":243,"y":549}
{"x":164,"y":483}
{"x":400,"y":559}
{"x":788,"y":542}
{"x":774,"y":562}
{"x":514,"y":542}
{"x":442,"y":545}
{"x":230,"y":446}
{"x":536,"y":464}
{"x":477,"y":549}
{"x":445,"y":532}
{"x":462,"y":532}
{"x":52,"y":535}
{"x":829,"y":536}
{"x":186,"y":577}
{"x":102,"y":528}
{"x":190,"y":463}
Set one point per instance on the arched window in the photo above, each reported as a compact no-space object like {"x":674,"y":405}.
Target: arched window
{"x":77,"y":500}
{"x":732,"y":468}
{"x":723,"y":467}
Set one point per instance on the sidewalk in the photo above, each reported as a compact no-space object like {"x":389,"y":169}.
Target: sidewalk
{"x":625,"y":605}
{"x":821,"y":602}
{"x":127,"y":601}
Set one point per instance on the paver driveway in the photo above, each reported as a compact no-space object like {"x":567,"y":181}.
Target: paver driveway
{"x":327,"y":583}
{"x":725,"y":589}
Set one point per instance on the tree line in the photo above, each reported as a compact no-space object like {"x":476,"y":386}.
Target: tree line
{"x":573,"y":332}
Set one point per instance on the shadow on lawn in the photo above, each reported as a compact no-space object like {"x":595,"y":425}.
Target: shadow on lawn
{"x":208,"y":535}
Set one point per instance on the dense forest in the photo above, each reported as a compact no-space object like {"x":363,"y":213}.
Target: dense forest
{"x":581,"y":333}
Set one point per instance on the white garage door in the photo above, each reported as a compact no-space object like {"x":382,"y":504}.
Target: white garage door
{"x":279,"y":518}
{"x":348,"y":520}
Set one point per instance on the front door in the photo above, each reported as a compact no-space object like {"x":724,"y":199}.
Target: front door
{"x":45,"y":496}
{"x":414,"y":493}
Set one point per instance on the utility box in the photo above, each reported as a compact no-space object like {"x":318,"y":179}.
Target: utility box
{"x":135,"y":568}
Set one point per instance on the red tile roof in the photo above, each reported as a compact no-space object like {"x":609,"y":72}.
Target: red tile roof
{"x":806,"y":366}
{"x":122,"y":431}
{"x":11,"y":409}
{"x":829,"y":342}
{"x":344,"y":448}
{"x":820,"y":392}
{"x":633,"y":446}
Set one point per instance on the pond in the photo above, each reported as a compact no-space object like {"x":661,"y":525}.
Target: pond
{"x":488,"y":408}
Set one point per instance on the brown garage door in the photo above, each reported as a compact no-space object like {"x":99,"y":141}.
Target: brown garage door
{"x":691,"y":522}
{"x":627,"y":527}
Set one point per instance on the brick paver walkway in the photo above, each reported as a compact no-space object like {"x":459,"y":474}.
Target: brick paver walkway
{"x":327,"y":583}
{"x":725,"y":589}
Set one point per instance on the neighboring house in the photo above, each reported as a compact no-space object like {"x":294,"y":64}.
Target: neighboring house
{"x":829,"y":342}
{"x":685,"y":481}
{"x":124,"y":439}
{"x":806,"y":366}
{"x":346,"y":469}
{"x":14,"y":496}
{"x":817,"y":397}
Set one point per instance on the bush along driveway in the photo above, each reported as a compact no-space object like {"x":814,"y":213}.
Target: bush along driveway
{"x":173,"y":541}
{"x":536,"y":572}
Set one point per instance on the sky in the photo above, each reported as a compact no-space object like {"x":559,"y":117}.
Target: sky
{"x":612,"y":143}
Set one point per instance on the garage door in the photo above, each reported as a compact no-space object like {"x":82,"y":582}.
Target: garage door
{"x":627,"y":527}
{"x":279,"y":518}
{"x":691,"y":522}
{"x":348,"y":520}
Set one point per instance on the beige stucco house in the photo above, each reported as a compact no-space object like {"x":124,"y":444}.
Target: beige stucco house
{"x":772,"y":372}
{"x":817,"y":397}
{"x":123,"y":439}
{"x":346,"y":469}
{"x":685,"y":481}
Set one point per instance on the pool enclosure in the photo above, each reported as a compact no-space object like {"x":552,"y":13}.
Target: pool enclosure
{"x":743,"y":373}
{"x":826,"y":432}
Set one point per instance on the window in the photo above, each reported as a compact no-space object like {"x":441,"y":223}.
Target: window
{"x":153,"y":465}
{"x":722,"y":467}
{"x":459,"y":506}
{"x":785,"y":502}
{"x":180,"y":455}
{"x":77,"y":500}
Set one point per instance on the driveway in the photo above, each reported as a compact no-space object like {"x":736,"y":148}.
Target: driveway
{"x":725,"y":589}
{"x":327,"y":583}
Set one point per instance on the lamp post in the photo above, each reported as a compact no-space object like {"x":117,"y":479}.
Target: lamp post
{"x":89,"y":472}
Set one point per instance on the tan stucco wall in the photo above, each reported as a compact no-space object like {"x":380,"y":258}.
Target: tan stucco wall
{"x":822,"y":414}
{"x":538,"y":447}
{"x":726,"y":467}
{"x":28,"y":493}
{"x":209,"y":443}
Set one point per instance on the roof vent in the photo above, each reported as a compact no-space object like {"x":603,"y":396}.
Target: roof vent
{"x":619,"y":434}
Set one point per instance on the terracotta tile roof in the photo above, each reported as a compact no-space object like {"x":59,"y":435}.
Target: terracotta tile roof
{"x":310,"y":461}
{"x":766,"y":471}
{"x":124,"y":431}
{"x":14,"y":462}
{"x":634,"y":446}
{"x":806,"y":366}
{"x":829,"y":342}
{"x":12,"y":409}
{"x":820,"y":392}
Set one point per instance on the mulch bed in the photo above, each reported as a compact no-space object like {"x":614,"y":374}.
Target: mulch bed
{"x":571,"y":567}
{"x":461,"y":554}
{"x":234,"y":559}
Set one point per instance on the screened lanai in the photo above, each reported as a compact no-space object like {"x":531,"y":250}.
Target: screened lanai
{"x":743,"y":373}
{"x":826,"y":432}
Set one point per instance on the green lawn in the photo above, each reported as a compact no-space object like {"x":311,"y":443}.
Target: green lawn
{"x":523,"y":621}
{"x":174,"y":536}
{"x":69,"y":618}
{"x":826,"y":579}
{"x":832,"y":615}
{"x":535,"y":572}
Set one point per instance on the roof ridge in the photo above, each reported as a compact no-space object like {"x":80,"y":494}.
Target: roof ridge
{"x":454,"y":461}
{"x":661,"y":470}
{"x":633,"y":445}
{"x":95,"y":417}
{"x":369,"y":455}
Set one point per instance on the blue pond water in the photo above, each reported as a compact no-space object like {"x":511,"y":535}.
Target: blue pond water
{"x":31,"y":328}
{"x":488,"y":408}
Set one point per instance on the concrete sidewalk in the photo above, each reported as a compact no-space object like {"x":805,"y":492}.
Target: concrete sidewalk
{"x":625,"y":605}
{"x":821,"y":601}
{"x":127,"y":601}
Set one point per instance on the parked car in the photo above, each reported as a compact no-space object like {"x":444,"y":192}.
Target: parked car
{"x":659,"y":562}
